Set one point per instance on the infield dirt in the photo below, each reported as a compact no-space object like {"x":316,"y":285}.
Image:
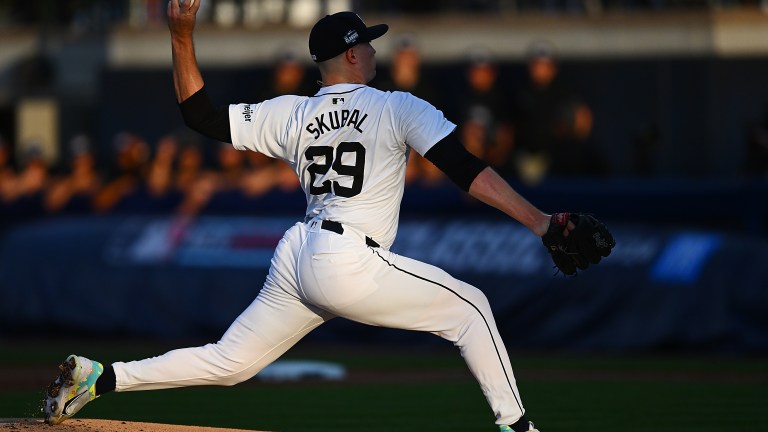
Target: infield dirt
{"x":89,"y":425}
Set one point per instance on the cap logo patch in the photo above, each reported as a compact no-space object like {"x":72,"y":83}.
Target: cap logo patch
{"x":351,"y":37}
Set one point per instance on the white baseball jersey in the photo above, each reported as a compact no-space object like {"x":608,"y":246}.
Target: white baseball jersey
{"x":348,"y":144}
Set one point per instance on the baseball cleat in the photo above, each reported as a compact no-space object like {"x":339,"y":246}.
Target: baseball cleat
{"x":531,"y":428}
{"x":72,"y":389}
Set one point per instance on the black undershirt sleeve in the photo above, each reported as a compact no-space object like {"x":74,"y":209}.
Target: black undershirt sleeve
{"x":461,"y":166}
{"x":201,"y":116}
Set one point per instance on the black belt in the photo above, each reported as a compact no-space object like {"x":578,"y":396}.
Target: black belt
{"x":338,"y":229}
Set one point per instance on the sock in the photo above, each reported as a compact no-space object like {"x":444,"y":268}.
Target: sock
{"x":106,"y":382}
{"x":519,"y":426}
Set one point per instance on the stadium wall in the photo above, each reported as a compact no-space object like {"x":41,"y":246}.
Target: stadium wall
{"x":663,"y":288}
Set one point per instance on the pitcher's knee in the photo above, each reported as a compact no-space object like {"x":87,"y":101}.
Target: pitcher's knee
{"x":476,"y":298}
{"x":234,"y":378}
{"x":227,"y":369}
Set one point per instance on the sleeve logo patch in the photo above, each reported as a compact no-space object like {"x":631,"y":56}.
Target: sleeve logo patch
{"x":247,"y":113}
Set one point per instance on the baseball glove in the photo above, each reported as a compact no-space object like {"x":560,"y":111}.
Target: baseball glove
{"x":586,"y":244}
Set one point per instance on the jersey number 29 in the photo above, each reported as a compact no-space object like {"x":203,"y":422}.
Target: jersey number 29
{"x":322,"y":157}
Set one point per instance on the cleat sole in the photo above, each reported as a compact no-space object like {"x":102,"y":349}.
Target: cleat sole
{"x":64,"y":380}
{"x":66,"y":372}
{"x":53,"y":389}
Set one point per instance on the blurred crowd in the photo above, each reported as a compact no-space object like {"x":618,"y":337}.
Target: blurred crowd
{"x":537,"y":130}
{"x":540,"y":128}
{"x":173,"y":176}
{"x":97,"y":15}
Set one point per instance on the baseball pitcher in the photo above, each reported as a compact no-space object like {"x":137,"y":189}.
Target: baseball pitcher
{"x":348,"y":144}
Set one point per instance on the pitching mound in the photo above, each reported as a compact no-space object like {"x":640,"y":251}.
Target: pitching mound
{"x":88,"y":425}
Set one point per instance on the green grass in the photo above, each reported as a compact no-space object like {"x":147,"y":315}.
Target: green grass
{"x":648,"y":406}
{"x":555,"y":406}
{"x":561,"y":393}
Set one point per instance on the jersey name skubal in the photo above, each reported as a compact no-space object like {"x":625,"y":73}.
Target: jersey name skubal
{"x":336,"y":120}
{"x":348,"y":144}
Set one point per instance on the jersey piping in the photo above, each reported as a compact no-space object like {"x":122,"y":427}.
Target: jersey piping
{"x":490,"y":333}
{"x":337,"y":93}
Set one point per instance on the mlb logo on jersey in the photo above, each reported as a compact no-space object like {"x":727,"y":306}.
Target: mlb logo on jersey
{"x":337,"y":101}
{"x":351,"y":37}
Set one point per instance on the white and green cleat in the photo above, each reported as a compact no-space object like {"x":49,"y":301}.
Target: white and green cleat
{"x":72,"y":389}
{"x":531,"y":428}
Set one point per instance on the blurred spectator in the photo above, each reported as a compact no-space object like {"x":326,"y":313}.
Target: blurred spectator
{"x":406,"y":74}
{"x":289,"y":76}
{"x":23,"y":195}
{"x":195,"y":184}
{"x":286,"y":180}
{"x":189,"y":167}
{"x":218,"y":190}
{"x":156,"y":192}
{"x":33,"y":178}
{"x":231,"y":166}
{"x":256,"y":160}
{"x":153,"y":180}
{"x":132,"y":156}
{"x":483,"y":120}
{"x":552,"y":125}
{"x":160,"y":176}
{"x":265,"y":175}
{"x":260,"y":177}
{"x":421,"y":172}
{"x":73,"y":192}
{"x":197,"y":196}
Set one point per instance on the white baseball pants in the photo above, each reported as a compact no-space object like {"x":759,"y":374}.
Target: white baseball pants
{"x":317,"y":275}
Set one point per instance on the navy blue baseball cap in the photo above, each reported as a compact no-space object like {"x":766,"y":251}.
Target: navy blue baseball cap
{"x":336,"y":33}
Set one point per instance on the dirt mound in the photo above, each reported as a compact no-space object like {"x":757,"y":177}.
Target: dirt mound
{"x":90,"y":425}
